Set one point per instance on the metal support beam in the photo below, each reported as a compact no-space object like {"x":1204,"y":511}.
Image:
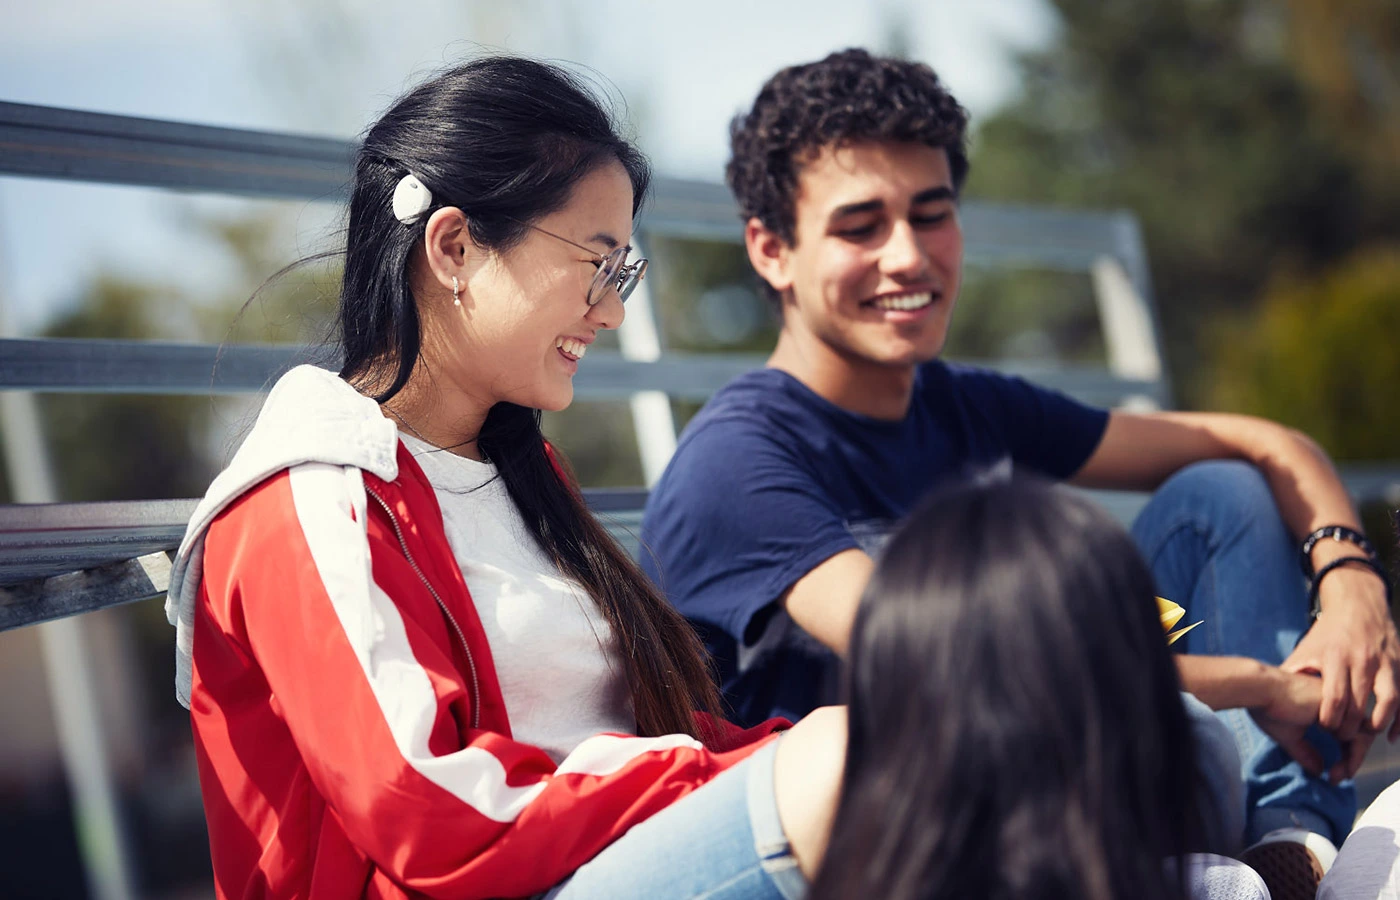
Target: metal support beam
{"x":44,"y":142}
{"x":652,"y":422}
{"x":41,"y":540}
{"x":92,"y":366}
{"x":1127,"y":329}
{"x":102,"y":839}
{"x":61,"y":559}
{"x":117,"y":584}
{"x":80,"y":365}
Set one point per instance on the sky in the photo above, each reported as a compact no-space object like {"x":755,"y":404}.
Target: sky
{"x":319,"y":67}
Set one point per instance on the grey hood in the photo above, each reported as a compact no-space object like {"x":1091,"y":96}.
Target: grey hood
{"x":311,"y":415}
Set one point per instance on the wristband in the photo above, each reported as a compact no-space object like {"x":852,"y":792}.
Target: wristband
{"x":1314,"y":601}
{"x":1336,"y":533}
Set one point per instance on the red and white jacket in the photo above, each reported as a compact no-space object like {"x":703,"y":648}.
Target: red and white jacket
{"x":351,"y":735}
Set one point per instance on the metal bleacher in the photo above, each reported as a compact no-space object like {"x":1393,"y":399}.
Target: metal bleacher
{"x":65,"y":558}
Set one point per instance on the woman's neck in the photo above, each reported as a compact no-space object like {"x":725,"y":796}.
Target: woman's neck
{"x":439,"y":414}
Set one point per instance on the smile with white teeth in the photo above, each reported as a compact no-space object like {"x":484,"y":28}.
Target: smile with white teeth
{"x":571,"y":347}
{"x":905,"y":301}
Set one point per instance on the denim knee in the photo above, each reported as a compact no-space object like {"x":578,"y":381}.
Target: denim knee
{"x":1216,"y":479}
{"x":1229,"y":492}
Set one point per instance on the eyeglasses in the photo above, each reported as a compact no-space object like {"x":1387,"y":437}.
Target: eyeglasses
{"x":613,"y":270}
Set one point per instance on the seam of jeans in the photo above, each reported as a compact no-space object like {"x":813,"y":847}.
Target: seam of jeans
{"x":740,"y":876}
{"x":1216,"y":629}
{"x":781,"y":862}
{"x":1201,"y":527}
{"x":786,"y":877}
{"x":1240,"y":732}
{"x":1202,"y":530}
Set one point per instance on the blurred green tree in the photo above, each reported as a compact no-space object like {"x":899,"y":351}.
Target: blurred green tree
{"x":1297,"y":360}
{"x":122,"y":447}
{"x":134,"y":447}
{"x":1254,"y":139}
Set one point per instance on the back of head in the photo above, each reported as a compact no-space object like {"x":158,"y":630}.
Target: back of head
{"x":503,"y":138}
{"x":847,"y":97}
{"x":1016,"y":729}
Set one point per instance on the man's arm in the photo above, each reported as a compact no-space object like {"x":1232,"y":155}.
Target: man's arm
{"x":823,"y":602}
{"x":1354,"y":646}
{"x":1140,"y":451}
{"x":1283,"y":704}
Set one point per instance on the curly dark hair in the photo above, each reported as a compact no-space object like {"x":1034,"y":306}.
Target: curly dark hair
{"x":849,"y":96}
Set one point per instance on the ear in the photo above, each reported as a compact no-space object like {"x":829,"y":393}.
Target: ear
{"x":768,"y":254}
{"x":448,"y":245}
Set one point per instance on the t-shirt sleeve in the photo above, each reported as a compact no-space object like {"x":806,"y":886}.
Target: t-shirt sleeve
{"x":733,"y":523}
{"x":1043,"y":430}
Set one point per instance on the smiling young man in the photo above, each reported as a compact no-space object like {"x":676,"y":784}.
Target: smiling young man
{"x":763,"y":528}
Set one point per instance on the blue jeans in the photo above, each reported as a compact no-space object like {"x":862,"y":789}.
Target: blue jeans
{"x":723,"y":842}
{"x":1217,"y":545}
{"x":1221,"y":790}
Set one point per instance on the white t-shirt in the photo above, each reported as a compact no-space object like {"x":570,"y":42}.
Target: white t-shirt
{"x":552,"y":648}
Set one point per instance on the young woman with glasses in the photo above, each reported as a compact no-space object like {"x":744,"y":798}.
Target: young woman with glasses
{"x":416,"y":665}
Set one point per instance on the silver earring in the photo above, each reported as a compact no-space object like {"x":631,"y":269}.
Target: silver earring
{"x":456,"y":292}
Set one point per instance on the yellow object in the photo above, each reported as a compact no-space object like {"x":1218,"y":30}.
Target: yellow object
{"x":1172,"y":613}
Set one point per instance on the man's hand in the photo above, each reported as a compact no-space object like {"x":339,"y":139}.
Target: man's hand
{"x":1293,"y":702}
{"x":1354,"y":647}
{"x":1294,"y":699}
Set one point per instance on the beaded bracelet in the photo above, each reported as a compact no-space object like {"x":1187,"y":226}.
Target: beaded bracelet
{"x":1336,"y":533}
{"x":1315,"y":602}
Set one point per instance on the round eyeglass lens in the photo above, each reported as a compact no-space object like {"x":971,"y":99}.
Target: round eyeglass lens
{"x":606,"y":275}
{"x":631,"y":279}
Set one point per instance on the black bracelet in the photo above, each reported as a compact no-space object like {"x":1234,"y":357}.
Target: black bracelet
{"x":1336,"y":533}
{"x":1315,"y":603}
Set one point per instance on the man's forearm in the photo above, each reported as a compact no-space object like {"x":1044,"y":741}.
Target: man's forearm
{"x":1227,"y":682}
{"x":1138,"y":452}
{"x":1305,"y":485}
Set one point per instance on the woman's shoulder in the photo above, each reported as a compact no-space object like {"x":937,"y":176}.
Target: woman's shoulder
{"x":265,"y":511}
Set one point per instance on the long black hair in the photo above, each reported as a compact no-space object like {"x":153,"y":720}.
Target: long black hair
{"x":1016,"y":726}
{"x":506,"y":140}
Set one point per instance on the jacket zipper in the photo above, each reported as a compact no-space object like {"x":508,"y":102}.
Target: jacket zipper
{"x":452,"y":620}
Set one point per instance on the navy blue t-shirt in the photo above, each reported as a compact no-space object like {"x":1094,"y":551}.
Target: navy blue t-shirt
{"x":770,"y":480}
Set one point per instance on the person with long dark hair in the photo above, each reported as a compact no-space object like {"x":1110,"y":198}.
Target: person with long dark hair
{"x":416,"y":665}
{"x":1016,"y":727}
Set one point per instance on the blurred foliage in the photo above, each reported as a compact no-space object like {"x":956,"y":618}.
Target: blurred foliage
{"x":1026,"y":314}
{"x":132,"y":447}
{"x":275,"y":301}
{"x":598,"y":438}
{"x":1251,"y":137}
{"x":124,"y":447}
{"x":707,"y":298}
{"x":140,"y":447}
{"x":1297,"y":360}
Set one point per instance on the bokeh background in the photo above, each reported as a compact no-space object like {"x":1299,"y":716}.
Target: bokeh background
{"x":1257,"y":142}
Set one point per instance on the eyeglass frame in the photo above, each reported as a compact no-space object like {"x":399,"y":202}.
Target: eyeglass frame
{"x":625,"y":277}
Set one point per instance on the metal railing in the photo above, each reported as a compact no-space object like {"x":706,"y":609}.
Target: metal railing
{"x":44,"y":142}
